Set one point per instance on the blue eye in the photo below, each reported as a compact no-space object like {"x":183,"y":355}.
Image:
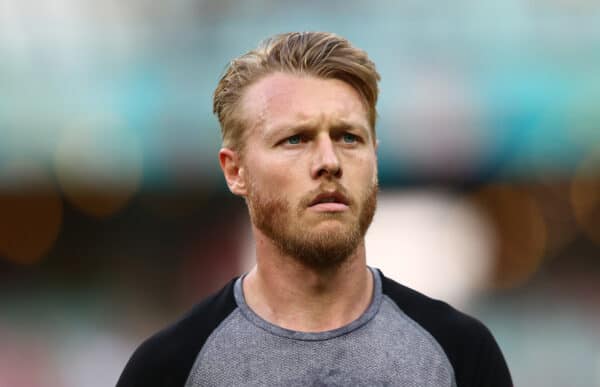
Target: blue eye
{"x":294,"y":140}
{"x":349,"y":138}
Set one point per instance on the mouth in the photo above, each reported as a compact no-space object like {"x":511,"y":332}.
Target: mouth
{"x":333,"y":201}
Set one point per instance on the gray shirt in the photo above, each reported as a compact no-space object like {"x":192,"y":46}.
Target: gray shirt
{"x":383,"y":347}
{"x":403,"y":339}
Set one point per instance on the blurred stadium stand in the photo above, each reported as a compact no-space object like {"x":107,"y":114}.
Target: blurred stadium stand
{"x":114,"y":217}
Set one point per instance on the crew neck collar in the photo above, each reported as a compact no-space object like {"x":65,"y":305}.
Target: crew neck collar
{"x":254,"y":318}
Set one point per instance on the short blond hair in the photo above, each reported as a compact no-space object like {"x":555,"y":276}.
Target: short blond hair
{"x":320,"y":54}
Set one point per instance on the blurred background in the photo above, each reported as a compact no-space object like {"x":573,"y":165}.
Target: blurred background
{"x":115,"y":219}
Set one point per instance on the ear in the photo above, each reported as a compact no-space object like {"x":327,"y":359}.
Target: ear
{"x":233,"y":171}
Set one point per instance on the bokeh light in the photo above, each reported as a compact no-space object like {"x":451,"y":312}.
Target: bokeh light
{"x":520,"y":231}
{"x":585,"y":196}
{"x":98,"y":165}
{"x":30,"y":212}
{"x":432,"y":241}
{"x":553,"y":200}
{"x":26,"y":362}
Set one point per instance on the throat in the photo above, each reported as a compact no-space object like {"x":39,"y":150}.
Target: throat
{"x":309,"y":304}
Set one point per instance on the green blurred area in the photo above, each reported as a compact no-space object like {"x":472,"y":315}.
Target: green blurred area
{"x":469,"y":91}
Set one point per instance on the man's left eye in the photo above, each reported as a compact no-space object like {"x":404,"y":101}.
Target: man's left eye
{"x":349,"y":138}
{"x":294,"y":140}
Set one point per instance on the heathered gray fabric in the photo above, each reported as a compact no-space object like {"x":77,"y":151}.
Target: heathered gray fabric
{"x":384,"y":347}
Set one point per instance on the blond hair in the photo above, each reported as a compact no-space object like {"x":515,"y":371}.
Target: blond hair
{"x":320,"y":54}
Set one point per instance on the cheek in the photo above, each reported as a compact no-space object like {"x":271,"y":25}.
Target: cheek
{"x":278,"y":179}
{"x":362,"y":166}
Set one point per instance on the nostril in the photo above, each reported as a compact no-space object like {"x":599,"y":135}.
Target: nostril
{"x":334,"y":171}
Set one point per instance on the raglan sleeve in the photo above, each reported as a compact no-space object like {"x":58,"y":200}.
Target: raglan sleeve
{"x":492,"y":369}
{"x":145,"y":368}
{"x":166,"y":358}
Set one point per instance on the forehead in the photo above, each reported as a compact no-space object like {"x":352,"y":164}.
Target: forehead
{"x":280,"y":99}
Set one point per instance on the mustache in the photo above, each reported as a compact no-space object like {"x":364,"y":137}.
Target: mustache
{"x":326,"y":188}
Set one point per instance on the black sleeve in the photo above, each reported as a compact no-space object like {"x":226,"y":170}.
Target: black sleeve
{"x":166,"y":358}
{"x":472,"y":350}
{"x":491,"y":369}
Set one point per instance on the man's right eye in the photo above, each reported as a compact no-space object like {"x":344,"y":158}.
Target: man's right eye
{"x":294,"y":140}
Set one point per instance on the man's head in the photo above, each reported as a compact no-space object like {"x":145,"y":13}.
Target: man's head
{"x":319,"y":54}
{"x":298,"y":119}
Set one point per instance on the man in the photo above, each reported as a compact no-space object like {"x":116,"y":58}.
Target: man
{"x":298,"y":122}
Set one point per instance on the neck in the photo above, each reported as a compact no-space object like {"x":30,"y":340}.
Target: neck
{"x":295,"y":296}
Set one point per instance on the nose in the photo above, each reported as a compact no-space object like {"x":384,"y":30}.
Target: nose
{"x":326,"y":162}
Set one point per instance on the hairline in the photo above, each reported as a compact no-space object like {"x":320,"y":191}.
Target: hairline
{"x":239,"y":145}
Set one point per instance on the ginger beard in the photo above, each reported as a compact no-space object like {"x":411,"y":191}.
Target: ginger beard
{"x":321,"y":249}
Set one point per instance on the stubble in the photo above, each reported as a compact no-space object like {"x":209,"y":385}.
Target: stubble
{"x":318,"y":248}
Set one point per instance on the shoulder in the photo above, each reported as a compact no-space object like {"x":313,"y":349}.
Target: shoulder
{"x":166,"y":358}
{"x":468,"y":343}
{"x":433,"y":315}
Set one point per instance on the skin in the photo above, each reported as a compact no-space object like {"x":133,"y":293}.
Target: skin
{"x":306,"y":136}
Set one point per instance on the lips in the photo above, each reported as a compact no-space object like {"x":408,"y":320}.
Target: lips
{"x":330,"y":197}
{"x":330,"y":202}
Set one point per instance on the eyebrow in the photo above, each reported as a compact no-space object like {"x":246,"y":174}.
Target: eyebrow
{"x":278,"y":131}
{"x":342,"y":126}
{"x":339,"y":126}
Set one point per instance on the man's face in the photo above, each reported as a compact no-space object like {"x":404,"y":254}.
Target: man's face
{"x":310,"y":166}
